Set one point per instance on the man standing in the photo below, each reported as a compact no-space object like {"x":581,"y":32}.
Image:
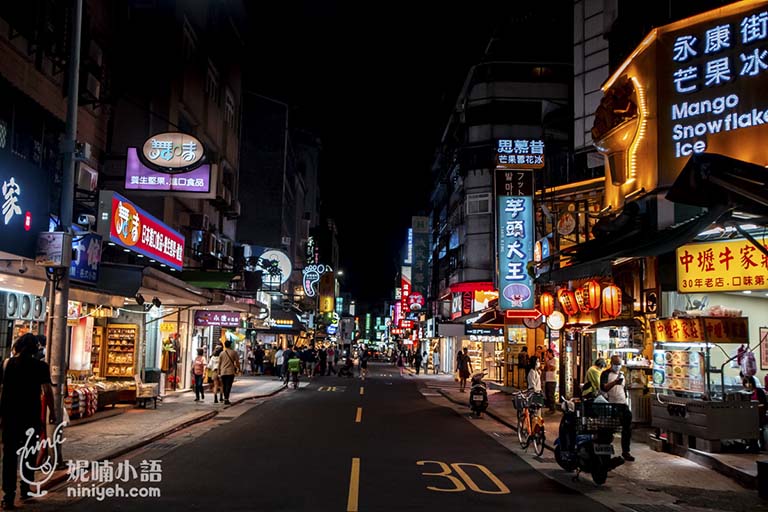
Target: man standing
{"x":25,"y":379}
{"x":591,"y":388}
{"x":258,"y":359}
{"x":612,"y":383}
{"x":417,"y":361}
{"x":229,"y":365}
{"x":550,"y":378}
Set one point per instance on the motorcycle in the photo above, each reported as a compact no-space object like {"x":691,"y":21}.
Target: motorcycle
{"x":585,"y":442}
{"x":478,"y":394}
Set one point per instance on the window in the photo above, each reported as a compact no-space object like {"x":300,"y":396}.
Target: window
{"x":212,"y":88}
{"x":229,"y":110}
{"x":478,"y":204}
{"x":189,"y":43}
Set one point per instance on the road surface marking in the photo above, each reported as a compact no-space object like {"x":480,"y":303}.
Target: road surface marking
{"x":332,"y":388}
{"x":362,"y":390}
{"x":359,"y":416}
{"x":354,"y":483}
{"x":464,"y":478}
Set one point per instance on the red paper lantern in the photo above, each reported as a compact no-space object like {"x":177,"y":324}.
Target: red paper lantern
{"x":593,"y":294}
{"x":546,"y":304}
{"x":611,"y":301}
{"x":582,"y":300}
{"x":568,"y":301}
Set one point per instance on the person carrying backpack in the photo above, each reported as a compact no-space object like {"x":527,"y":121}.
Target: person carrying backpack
{"x":294,"y":367}
{"x":198,"y":372}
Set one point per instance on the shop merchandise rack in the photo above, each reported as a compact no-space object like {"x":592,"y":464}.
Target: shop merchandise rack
{"x":121,"y":348}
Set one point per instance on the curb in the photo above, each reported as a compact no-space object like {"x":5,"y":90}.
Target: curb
{"x":493,"y":415}
{"x":62,"y":475}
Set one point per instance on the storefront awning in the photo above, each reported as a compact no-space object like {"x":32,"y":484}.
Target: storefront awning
{"x":129,"y":280}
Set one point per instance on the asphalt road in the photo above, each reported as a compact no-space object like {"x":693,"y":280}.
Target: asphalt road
{"x":332,"y":447}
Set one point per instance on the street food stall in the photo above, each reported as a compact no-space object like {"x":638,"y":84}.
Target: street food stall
{"x":690,"y":407}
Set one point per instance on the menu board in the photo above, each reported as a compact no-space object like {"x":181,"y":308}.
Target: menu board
{"x":679,"y":370}
{"x":698,"y":329}
{"x":121,"y":347}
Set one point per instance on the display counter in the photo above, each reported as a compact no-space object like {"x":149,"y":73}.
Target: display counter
{"x":701,"y":424}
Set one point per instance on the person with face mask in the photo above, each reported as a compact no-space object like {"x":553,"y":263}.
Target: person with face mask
{"x":534,"y":376}
{"x":612,"y":384}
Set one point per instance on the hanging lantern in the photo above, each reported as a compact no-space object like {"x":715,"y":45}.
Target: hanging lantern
{"x":611,"y":301}
{"x":546,"y":304}
{"x":582,"y":300}
{"x":593,"y":294}
{"x":568,"y":301}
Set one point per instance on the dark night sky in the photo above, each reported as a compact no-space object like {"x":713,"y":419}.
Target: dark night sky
{"x":376,"y":82}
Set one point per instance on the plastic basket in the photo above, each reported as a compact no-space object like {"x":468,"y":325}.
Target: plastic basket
{"x":600,"y":416}
{"x":519,"y":401}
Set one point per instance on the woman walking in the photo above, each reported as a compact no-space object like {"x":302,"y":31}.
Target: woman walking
{"x":464,"y":366}
{"x":229,"y":365}
{"x":401,"y":363}
{"x":213,"y":368}
{"x":198,"y":372}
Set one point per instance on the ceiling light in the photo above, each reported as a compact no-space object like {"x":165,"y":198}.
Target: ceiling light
{"x":747,"y":291}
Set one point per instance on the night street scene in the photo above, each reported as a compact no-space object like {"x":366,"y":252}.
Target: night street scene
{"x":336,"y":256}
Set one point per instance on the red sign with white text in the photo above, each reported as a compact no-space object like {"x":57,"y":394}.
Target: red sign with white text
{"x":135,"y":229}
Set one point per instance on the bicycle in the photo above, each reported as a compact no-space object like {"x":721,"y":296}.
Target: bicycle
{"x":530,"y":425}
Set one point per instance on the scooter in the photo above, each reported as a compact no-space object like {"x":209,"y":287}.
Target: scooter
{"x":478,"y":394}
{"x":585,"y":440}
{"x":346,"y":369}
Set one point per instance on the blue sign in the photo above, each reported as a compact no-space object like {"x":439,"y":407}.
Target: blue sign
{"x":515,"y":237}
{"x":86,"y":256}
{"x":331,"y":329}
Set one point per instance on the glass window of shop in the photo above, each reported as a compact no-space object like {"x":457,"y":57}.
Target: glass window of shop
{"x":515,"y":359}
{"x":486,"y":352}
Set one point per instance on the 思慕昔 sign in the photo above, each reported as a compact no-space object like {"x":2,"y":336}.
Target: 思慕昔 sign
{"x":519,"y":154}
{"x":173,"y":152}
{"x":140,"y":177}
{"x":217,"y":319}
{"x":734,"y":265}
{"x":515,"y":234}
{"x":124,"y":223}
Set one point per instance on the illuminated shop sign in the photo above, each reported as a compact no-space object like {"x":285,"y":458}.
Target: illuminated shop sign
{"x":125,"y":224}
{"x":519,"y":154}
{"x":483,"y":331}
{"x":721,"y":267}
{"x":311,"y":276}
{"x":24,"y":199}
{"x":217,"y":319}
{"x":173,"y":152}
{"x":711,"y":329}
{"x":140,"y":177}
{"x":405,"y":291}
{"x":515,"y":234}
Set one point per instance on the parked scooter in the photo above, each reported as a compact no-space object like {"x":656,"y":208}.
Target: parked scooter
{"x":478,"y":394}
{"x":585,"y":439}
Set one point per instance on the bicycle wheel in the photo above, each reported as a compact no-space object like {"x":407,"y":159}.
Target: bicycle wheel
{"x":522,"y":434}
{"x":538,"y":442}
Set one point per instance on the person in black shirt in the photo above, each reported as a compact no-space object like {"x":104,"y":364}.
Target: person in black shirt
{"x":25,"y":379}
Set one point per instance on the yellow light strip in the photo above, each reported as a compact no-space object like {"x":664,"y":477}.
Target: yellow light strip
{"x":642,"y":114}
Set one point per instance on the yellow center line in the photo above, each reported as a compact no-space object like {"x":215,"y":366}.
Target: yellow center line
{"x":362,"y":390}
{"x":359,"y":416}
{"x":354,"y":483}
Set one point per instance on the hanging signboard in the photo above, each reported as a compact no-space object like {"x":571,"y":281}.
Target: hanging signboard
{"x":519,"y":154}
{"x":701,"y":329}
{"x":123,"y":223}
{"x":217,"y":318}
{"x":514,"y":238}
{"x":141,"y":177}
{"x":173,"y":152}
{"x":734,"y":265}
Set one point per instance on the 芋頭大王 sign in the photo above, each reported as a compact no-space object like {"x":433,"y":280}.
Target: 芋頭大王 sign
{"x":173,"y":152}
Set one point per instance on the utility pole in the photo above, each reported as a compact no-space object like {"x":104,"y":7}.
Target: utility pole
{"x":58,"y":345}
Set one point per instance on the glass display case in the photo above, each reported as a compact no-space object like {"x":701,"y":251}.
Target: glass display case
{"x":121,"y":350}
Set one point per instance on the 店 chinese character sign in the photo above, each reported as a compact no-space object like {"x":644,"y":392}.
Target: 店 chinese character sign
{"x":135,"y":229}
{"x":519,"y":154}
{"x":721,"y":267}
{"x":515,"y":234}
{"x":24,"y":198}
{"x":173,"y":152}
{"x":712,"y":80}
{"x":140,"y":177}
{"x":700,"y":329}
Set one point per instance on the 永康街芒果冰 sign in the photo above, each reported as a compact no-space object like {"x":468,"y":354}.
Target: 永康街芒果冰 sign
{"x":173,"y":152}
{"x":217,"y":318}
{"x":519,"y":154}
{"x":124,"y":223}
{"x":728,"y":266}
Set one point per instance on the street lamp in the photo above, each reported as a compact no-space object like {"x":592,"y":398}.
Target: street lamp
{"x":340,"y":273}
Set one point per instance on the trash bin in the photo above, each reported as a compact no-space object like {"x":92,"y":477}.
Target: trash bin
{"x":762,"y":478}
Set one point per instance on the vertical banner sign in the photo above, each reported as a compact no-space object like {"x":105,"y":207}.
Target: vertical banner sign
{"x":405,"y":293}
{"x":420,"y":255}
{"x":515,"y":236}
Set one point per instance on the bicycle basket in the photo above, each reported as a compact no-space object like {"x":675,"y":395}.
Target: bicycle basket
{"x":519,"y":401}
{"x":537,"y":400}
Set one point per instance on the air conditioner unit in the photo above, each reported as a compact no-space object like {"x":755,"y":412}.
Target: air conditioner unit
{"x":25,"y":306}
{"x":39,"y":305}
{"x":9,"y":305}
{"x":198,"y":221}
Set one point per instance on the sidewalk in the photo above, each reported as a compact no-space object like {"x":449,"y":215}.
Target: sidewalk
{"x":741,"y":468}
{"x":115,"y":435}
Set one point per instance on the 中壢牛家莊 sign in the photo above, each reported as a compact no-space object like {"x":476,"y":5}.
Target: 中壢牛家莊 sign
{"x":728,"y":266}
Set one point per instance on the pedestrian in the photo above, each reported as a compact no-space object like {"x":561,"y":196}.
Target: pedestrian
{"x":425,"y":361}
{"x":464,"y":367}
{"x":417,"y":361}
{"x":550,"y":378}
{"x":323,"y":355}
{"x":436,"y":361}
{"x":591,"y":388}
{"x":279,"y":362}
{"x":287,"y":354}
{"x":363,"y":363}
{"x":258,"y":360}
{"x":229,"y":366}
{"x":612,"y":384}
{"x":213,"y":369}
{"x":309,"y":360}
{"x":523,"y":364}
{"x":25,"y":380}
{"x":331,"y":360}
{"x":533,"y":379}
{"x":198,"y":372}
{"x":401,"y":363}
